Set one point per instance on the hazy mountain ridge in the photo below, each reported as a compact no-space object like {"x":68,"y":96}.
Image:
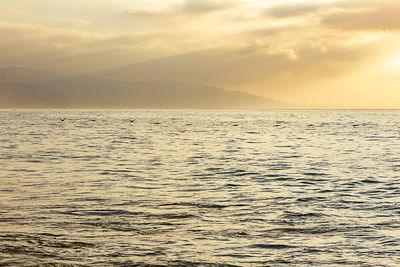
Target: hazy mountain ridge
{"x":27,"y":88}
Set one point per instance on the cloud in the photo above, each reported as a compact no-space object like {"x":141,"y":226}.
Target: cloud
{"x":376,"y":15}
{"x":205,"y":6}
{"x":76,"y":51}
{"x":263,"y":70}
{"x":15,"y":15}
{"x":274,"y":47}
{"x":349,"y":15}
{"x":183,"y":9}
{"x":294,"y":9}
{"x":10,"y":13}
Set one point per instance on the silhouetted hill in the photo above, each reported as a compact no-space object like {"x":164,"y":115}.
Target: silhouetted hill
{"x":38,"y":89}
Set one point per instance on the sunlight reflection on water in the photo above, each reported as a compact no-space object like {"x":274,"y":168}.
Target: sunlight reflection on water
{"x":199,"y":187}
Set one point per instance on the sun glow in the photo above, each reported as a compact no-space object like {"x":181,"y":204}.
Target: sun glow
{"x":394,"y":63}
{"x":391,"y":65}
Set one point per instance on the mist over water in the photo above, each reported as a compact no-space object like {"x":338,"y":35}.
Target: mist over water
{"x":209,"y":188}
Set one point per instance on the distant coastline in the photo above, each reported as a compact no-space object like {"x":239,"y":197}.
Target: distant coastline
{"x":28,"y":88}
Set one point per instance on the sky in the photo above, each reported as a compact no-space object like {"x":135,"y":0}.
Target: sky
{"x":328,"y":53}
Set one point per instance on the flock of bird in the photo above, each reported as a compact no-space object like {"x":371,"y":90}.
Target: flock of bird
{"x":131,"y":120}
{"x":277,"y":124}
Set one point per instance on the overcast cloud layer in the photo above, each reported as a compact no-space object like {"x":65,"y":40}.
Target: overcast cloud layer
{"x":335,"y":53}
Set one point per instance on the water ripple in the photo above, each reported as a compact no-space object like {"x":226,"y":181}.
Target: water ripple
{"x":199,"y":188}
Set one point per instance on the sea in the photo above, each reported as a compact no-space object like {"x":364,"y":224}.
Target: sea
{"x":199,"y":188}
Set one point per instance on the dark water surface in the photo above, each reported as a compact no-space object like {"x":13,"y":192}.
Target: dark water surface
{"x":200,"y":188}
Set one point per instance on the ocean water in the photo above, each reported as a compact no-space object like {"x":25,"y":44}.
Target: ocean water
{"x":199,"y":188}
